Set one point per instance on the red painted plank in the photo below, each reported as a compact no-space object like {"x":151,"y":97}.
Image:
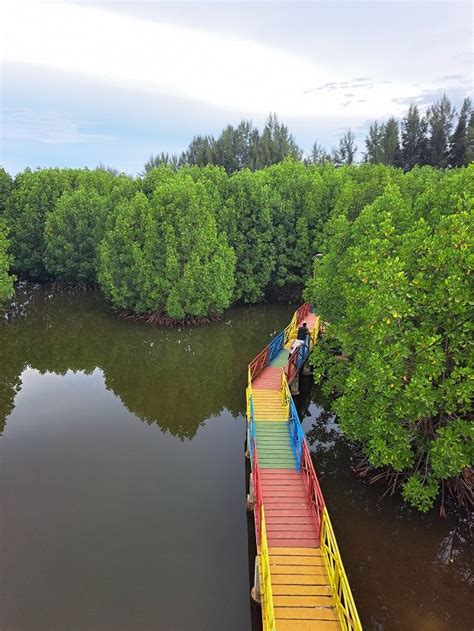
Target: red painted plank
{"x":289,"y":528}
{"x":288,"y":491}
{"x":297,"y":512}
{"x":293,"y":543}
{"x":289,"y":520}
{"x":280,"y":474}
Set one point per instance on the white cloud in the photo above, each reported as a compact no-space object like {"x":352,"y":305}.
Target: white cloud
{"x":48,"y":127}
{"x":235,"y":74}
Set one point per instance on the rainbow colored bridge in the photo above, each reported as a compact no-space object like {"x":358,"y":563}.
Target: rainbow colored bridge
{"x":299,"y":577}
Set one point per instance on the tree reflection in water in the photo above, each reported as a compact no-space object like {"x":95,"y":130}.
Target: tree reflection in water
{"x":175,"y":378}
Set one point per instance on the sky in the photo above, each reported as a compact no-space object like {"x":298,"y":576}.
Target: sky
{"x":89,"y":83}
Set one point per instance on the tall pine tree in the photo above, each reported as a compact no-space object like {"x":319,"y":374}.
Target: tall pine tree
{"x":459,"y":139}
{"x":414,"y":140}
{"x":347,"y":150}
{"x":440,"y":123}
{"x":390,"y":143}
{"x":373,"y":144}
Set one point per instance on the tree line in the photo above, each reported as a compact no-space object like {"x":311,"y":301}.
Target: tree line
{"x":441,"y":137}
{"x":172,"y":244}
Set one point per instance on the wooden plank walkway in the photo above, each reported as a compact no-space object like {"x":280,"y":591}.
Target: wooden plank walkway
{"x":300,"y":585}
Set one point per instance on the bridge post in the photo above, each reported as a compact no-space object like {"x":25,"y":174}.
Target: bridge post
{"x":295,"y":385}
{"x":306,"y":370}
{"x":247,"y":442}
{"x":255,"y":591}
{"x":250,"y":496}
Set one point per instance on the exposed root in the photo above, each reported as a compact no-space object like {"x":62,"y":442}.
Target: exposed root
{"x":72,"y":287}
{"x":159,"y":318}
{"x":458,"y":489}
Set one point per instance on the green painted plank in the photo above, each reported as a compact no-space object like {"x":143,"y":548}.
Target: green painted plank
{"x":280,"y":360}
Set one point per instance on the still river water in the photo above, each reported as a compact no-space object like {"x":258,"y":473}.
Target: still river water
{"x":122,"y":482}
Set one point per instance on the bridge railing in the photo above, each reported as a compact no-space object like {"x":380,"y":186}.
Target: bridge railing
{"x":278,"y":344}
{"x":268,"y":612}
{"x":345,"y":605}
{"x":258,"y":363}
{"x":313,"y":489}
{"x":302,"y":311}
{"x":257,"y":491}
{"x":285,"y":393}
{"x":296,"y":433}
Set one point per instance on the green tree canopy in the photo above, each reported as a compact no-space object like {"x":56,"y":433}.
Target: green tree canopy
{"x":399,"y":309}
{"x":6,"y":280}
{"x":166,"y":255}
{"x":249,"y":211}
{"x":73,"y":231}
{"x":34,"y":194}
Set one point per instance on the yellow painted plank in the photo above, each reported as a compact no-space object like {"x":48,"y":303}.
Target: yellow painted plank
{"x":308,"y":570}
{"x":299,"y":579}
{"x":302,"y":601}
{"x":308,"y":625}
{"x":296,"y":560}
{"x":301,"y":590}
{"x":313,"y":552}
{"x":305,"y":613}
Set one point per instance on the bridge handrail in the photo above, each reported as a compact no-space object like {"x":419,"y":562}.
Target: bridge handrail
{"x":313,"y":489}
{"x":297,"y":434}
{"x":278,"y":343}
{"x":257,"y":490}
{"x":302,"y":311}
{"x":258,"y":363}
{"x":345,"y":605}
{"x":285,"y":393}
{"x":268,"y":612}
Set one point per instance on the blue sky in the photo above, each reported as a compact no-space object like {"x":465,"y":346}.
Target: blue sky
{"x":107,"y":82}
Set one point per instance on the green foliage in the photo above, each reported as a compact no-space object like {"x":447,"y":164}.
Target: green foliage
{"x":298,"y":215}
{"x":249,"y":211}
{"x":34,"y":194}
{"x":6,"y":184}
{"x":395,"y":284}
{"x":72,"y":234}
{"x":166,"y":255}
{"x":420,"y":493}
{"x":6,"y":280}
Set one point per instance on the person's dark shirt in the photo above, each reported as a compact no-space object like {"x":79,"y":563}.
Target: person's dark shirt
{"x":302,"y":333}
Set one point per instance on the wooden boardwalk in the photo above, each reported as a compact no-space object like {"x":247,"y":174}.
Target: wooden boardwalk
{"x":301,"y":579}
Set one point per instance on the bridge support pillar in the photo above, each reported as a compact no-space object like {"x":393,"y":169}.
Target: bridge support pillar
{"x":306,"y":371}
{"x":247,"y":450}
{"x":295,"y":385}
{"x":250,"y":496}
{"x":255,"y":592}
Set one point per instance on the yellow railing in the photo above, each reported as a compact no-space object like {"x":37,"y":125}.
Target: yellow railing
{"x":268,"y":613}
{"x":285,"y":393}
{"x":314,"y":333}
{"x":291,"y":330}
{"x":344,"y":601}
{"x":248,"y":393}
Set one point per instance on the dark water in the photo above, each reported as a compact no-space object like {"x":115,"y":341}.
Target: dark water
{"x":122,"y":483}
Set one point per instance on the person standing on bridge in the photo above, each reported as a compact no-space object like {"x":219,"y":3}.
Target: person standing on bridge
{"x":301,"y":337}
{"x":302,"y":332}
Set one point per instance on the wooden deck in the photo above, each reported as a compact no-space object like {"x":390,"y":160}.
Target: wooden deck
{"x":300,"y":586}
